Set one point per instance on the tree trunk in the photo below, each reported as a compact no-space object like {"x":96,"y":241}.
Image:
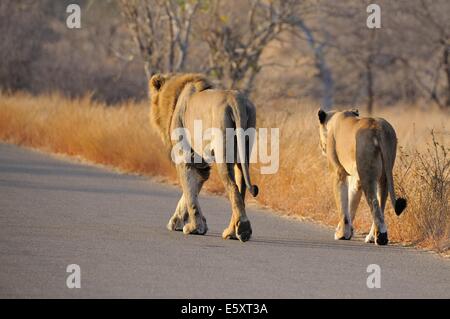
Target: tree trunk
{"x":327,"y":82}
{"x":325,"y":74}
{"x":447,"y":72}
{"x":148,"y":74}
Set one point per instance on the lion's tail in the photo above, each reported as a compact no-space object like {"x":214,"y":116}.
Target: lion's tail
{"x":399,"y":204}
{"x":240,"y":117}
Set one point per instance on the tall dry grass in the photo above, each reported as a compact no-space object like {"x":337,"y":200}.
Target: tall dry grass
{"x":115,"y":136}
{"x":122,"y":137}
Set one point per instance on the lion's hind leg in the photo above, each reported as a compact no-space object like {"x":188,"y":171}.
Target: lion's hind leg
{"x":239,"y":178}
{"x":239,"y":227}
{"x":192,"y":179}
{"x":180,"y":217}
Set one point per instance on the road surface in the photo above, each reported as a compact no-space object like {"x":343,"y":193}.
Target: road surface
{"x":54,"y":213}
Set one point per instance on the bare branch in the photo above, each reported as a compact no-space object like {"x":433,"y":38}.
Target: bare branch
{"x":161,"y":30}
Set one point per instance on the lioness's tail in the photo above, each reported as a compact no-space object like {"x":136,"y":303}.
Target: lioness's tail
{"x":399,"y":204}
{"x":240,"y":119}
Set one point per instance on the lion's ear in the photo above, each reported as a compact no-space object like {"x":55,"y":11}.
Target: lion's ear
{"x":322,"y":116}
{"x":355,"y":111}
{"x":157,"y":81}
{"x":203,"y":84}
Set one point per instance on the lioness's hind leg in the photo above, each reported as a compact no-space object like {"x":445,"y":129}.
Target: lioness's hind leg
{"x":354,"y":197}
{"x":370,"y":238}
{"x":379,"y":232}
{"x":382,"y":193}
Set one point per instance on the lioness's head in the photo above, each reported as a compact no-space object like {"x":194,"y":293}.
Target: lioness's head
{"x":324,"y":120}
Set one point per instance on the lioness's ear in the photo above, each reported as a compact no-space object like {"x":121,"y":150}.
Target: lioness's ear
{"x":322,"y":116}
{"x":157,"y":81}
{"x":355,"y":111}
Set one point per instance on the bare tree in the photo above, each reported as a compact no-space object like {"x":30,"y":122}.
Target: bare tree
{"x":180,"y":16}
{"x":366,"y":50}
{"x":161,"y":30}
{"x":429,"y":28}
{"x":235,"y":45}
{"x":317,"y":46}
{"x":25,"y":30}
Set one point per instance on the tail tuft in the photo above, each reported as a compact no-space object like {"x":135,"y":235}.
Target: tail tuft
{"x":400,"y":205}
{"x":254,"y":190}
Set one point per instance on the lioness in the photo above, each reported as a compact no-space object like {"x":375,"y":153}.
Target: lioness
{"x":177,"y":100}
{"x":361,"y":154}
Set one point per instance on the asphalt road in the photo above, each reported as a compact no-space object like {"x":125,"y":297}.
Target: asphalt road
{"x":54,"y":213}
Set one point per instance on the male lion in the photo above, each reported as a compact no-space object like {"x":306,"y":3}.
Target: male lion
{"x":177,"y":100}
{"x":361,"y":154}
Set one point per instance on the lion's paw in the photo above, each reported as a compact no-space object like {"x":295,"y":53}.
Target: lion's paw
{"x":175,"y":224}
{"x":243,"y":231}
{"x":198,"y":229}
{"x":228,"y":233}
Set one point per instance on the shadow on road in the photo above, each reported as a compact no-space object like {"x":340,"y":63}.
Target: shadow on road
{"x":356,"y":245}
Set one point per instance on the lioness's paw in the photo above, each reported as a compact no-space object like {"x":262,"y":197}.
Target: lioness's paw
{"x":382,"y":239}
{"x":344,"y":233}
{"x":243,"y":231}
{"x":342,"y":237}
{"x":338,"y":236}
{"x":370,"y":239}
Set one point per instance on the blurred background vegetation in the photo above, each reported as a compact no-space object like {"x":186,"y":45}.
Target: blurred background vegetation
{"x":320,"y":50}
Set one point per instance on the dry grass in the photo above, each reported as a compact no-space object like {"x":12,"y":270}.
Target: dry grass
{"x":122,"y":137}
{"x":107,"y":135}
